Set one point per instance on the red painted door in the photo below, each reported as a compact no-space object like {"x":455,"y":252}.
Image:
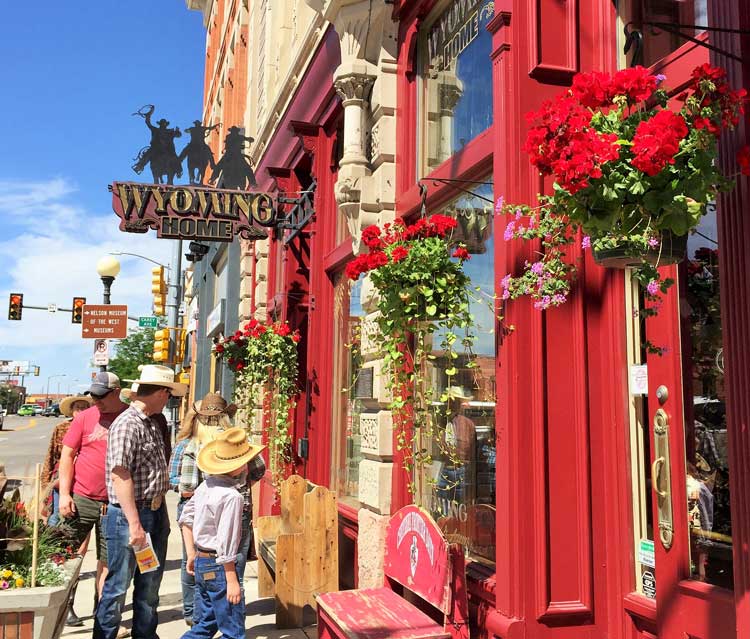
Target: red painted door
{"x":692,"y":579}
{"x":689,"y":455}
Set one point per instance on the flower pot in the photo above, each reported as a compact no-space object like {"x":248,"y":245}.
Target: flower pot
{"x":37,"y":612}
{"x":672,"y":250}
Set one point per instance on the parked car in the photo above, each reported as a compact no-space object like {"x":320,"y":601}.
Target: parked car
{"x":27,"y":409}
{"x":38,"y":410}
{"x":51,"y":411}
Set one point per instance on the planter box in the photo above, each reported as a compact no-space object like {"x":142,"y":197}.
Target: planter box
{"x":37,"y":613}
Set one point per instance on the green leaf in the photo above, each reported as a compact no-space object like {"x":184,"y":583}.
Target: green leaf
{"x":431,"y":310}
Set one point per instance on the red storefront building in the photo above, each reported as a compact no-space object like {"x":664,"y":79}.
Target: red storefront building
{"x":606,"y":491}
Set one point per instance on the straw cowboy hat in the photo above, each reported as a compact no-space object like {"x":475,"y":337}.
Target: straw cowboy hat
{"x":158,"y":375}
{"x":66,"y":405}
{"x":229,"y":451}
{"x":458,"y":392}
{"x":129,"y":393}
{"x":214,"y":404}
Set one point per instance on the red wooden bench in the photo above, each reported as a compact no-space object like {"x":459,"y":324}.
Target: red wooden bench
{"x":418,"y":559}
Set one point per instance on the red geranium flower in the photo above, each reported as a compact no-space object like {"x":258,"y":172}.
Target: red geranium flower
{"x":656,"y":141}
{"x":399,"y":253}
{"x":461,"y":253}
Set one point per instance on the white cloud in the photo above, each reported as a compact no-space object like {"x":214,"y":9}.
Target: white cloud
{"x":52,"y":258}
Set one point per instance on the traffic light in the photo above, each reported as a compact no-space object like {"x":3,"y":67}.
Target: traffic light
{"x":36,"y":371}
{"x":77,"y":314}
{"x":161,"y":345}
{"x":159,"y":290}
{"x":180,"y":335}
{"x":15,"y":306}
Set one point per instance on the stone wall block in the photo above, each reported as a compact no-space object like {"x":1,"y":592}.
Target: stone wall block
{"x":369,"y":345}
{"x":371,"y":542}
{"x":376,"y":430}
{"x":375,"y":485}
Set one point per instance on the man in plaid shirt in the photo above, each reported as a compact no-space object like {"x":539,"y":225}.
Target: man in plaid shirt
{"x":137,"y":479}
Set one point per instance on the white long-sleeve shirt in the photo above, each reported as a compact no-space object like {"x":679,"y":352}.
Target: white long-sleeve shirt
{"x":214,"y":513}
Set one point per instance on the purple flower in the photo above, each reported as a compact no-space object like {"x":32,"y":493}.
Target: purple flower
{"x":508,"y":235}
{"x":505,"y":283}
{"x":499,"y":204}
{"x":653,"y":287}
{"x":4,"y":585}
{"x":586,"y":242}
{"x":559,"y":298}
{"x":519,"y":214}
{"x":660,"y":77}
{"x":543,"y":303}
{"x":537,"y":268}
{"x":532,"y":222}
{"x":653,"y":241}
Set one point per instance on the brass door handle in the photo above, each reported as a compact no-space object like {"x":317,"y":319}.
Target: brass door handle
{"x":661,"y":476}
{"x":655,"y":470}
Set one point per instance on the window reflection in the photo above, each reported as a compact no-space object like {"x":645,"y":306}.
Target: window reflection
{"x":707,"y":463}
{"x":457,"y":74}
{"x":460,"y":494}
{"x":347,"y":407}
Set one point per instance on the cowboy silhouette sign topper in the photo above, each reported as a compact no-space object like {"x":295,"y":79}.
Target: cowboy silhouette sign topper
{"x":217,"y":213}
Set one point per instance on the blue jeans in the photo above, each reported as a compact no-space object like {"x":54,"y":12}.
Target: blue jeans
{"x":187,"y":580}
{"x":122,"y":569}
{"x":54,"y":518}
{"x":213,"y":613}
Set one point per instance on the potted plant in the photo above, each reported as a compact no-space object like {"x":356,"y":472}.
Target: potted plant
{"x":422,"y":291}
{"x":263,"y":357}
{"x":632,"y":170}
{"x":34,"y":586}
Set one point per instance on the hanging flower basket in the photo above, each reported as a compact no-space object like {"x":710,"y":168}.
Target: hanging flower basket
{"x":423,"y":291}
{"x":632,"y":172}
{"x":263,"y":357}
{"x":671,"y":249}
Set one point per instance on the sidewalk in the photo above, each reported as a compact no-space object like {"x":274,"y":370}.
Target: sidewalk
{"x":261,"y":619}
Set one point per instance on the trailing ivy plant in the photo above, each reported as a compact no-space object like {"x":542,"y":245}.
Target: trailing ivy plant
{"x":263,"y":357}
{"x":422,"y":291}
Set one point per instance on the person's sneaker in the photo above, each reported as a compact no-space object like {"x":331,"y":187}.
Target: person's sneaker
{"x":73,"y":620}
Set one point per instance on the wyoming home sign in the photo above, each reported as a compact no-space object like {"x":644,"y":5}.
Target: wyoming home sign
{"x":194,"y":212}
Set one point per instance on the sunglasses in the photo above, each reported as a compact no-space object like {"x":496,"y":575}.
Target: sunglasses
{"x":97,"y":398}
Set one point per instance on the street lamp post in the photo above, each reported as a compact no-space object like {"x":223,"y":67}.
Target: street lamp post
{"x":46,"y":399}
{"x":108,"y":268}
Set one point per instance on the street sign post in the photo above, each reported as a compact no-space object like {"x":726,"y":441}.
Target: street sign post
{"x":101,"y":352}
{"x":148,"y":322}
{"x":104,"y":321}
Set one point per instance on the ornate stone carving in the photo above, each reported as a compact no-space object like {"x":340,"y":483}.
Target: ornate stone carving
{"x":450,"y":94}
{"x":347,"y":190}
{"x":354,"y":86}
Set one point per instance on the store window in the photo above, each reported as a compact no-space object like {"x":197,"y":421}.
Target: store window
{"x":347,"y":406}
{"x":456,"y":73}
{"x":461,"y":496}
{"x":654,"y":27}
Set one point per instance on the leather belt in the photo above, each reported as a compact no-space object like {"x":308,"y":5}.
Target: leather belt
{"x":151,"y":504}
{"x":204,"y":552}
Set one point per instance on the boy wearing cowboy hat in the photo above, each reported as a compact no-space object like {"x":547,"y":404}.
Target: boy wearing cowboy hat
{"x":212,"y":529}
{"x":203,"y":423}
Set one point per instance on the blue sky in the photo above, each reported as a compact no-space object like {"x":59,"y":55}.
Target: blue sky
{"x":73,"y":73}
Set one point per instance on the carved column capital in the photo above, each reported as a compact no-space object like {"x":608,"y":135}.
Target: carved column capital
{"x":354,"y":86}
